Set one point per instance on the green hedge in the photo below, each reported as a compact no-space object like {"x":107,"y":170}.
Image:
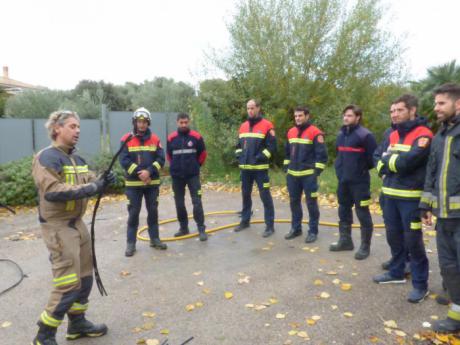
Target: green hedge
{"x":17,"y":186}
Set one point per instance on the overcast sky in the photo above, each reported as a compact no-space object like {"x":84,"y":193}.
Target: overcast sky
{"x":56,"y":43}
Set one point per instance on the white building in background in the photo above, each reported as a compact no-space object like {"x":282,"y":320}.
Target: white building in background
{"x":13,"y":86}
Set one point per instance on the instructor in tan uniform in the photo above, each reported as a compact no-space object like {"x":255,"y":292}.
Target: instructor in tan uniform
{"x":64,"y":185}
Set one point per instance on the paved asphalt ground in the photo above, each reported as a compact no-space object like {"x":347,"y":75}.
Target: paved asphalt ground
{"x":191,"y":272}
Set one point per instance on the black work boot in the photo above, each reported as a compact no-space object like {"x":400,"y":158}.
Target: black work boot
{"x":203,"y":235}
{"x":80,"y":327}
{"x":345,"y":242}
{"x":130,"y":249}
{"x":311,"y":237}
{"x":46,"y":335}
{"x":365,"y":248}
{"x":241,"y":227}
{"x":182,"y":232}
{"x":157,"y":244}
{"x":447,"y":325}
{"x":293,"y":234}
{"x":269,"y":230}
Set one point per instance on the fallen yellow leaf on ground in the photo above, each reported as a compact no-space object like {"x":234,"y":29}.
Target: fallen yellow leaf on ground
{"x":303,"y":334}
{"x":334,"y":307}
{"x":189,"y":307}
{"x":228,"y":295}
{"x":336,"y":281}
{"x":197,"y":273}
{"x":198,"y":304}
{"x":273,"y":300}
{"x":331,"y":273}
{"x":164,"y":331}
{"x":280,"y":316}
{"x":390,"y":324}
{"x":293,"y":332}
{"x":125,"y":273}
{"x":324,"y":295}
{"x":318,"y":282}
{"x":6,"y":324}
{"x":148,"y":326}
{"x":434,"y":317}
{"x":345,"y":287}
{"x":200,"y":283}
{"x":400,"y":333}
{"x":152,"y":342}
{"x":311,"y":322}
{"x":148,"y":314}
{"x":249,"y":305}
{"x":316,"y":317}
{"x":348,"y":314}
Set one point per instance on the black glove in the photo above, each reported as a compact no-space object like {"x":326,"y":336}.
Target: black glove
{"x":100,"y":185}
{"x":110,"y":179}
{"x":318,"y":172}
{"x":261,"y":158}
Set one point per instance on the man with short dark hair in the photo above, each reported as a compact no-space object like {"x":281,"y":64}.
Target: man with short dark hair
{"x":306,"y":158}
{"x":256,"y":145}
{"x":355,"y":146}
{"x":404,"y":164}
{"x":64,"y":186}
{"x":441,"y":196}
{"x":186,"y":153}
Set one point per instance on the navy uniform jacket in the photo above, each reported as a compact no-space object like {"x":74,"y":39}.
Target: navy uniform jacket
{"x":355,"y":146}
{"x":186,"y":153}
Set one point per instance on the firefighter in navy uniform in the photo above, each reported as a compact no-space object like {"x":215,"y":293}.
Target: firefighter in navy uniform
{"x":186,"y":153}
{"x":355,"y":146}
{"x":441,"y":196}
{"x":64,"y":185}
{"x":142,"y":158}
{"x":306,"y":158}
{"x":404,"y":164}
{"x":256,"y":145}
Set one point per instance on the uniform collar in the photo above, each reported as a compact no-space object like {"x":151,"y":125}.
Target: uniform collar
{"x":144,"y":136}
{"x":184,"y":133}
{"x":67,"y":149}
{"x":447,"y":125}
{"x":255,"y":120}
{"x":406,"y":127}
{"x":350,"y":128}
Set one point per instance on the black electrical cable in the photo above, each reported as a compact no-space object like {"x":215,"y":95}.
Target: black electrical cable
{"x":99,"y":284}
{"x":20,"y":279}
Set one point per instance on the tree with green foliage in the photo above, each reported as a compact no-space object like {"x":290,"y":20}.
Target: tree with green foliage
{"x":162,"y":95}
{"x":3,"y":98}
{"x":34,"y":103}
{"x":436,"y":76}
{"x":321,"y":53}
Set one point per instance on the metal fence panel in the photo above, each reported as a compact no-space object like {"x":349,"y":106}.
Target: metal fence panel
{"x":16,"y":139}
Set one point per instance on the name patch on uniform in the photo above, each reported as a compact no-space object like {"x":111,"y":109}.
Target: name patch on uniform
{"x":320,"y":139}
{"x":423,"y":142}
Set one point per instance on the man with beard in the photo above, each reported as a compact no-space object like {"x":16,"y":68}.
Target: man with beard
{"x":306,"y":158}
{"x":355,"y":146}
{"x":404,"y":166}
{"x":441,"y":197}
{"x":186,"y":153}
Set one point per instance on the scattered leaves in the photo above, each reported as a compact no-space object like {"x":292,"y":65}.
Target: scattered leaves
{"x":318,"y":282}
{"x":390,"y":324}
{"x":6,"y":324}
{"x":324,"y":295}
{"x":148,"y":314}
{"x":228,"y":295}
{"x":164,"y":331}
{"x":280,"y":316}
{"x":348,"y":314}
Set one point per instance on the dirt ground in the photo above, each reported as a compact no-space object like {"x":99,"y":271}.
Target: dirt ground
{"x":236,"y":288}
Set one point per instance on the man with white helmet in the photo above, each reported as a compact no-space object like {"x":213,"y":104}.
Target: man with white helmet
{"x":142,"y":158}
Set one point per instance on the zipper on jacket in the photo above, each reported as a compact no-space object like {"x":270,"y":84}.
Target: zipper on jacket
{"x":443,"y":178}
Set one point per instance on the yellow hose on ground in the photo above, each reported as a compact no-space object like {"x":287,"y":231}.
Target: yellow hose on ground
{"x":223,"y":227}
